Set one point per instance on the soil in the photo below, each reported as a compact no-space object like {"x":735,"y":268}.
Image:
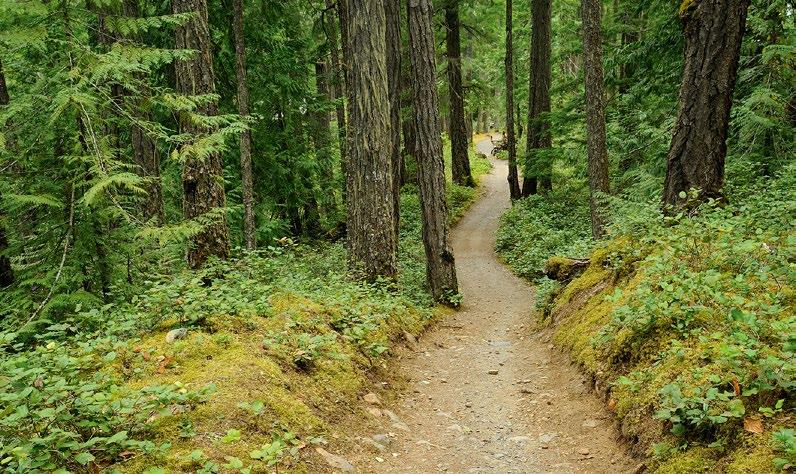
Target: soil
{"x":488,"y":393}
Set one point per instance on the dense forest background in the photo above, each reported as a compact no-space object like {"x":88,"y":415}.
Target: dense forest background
{"x":170,"y":164}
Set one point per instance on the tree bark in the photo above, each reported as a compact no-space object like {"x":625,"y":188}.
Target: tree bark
{"x":392,"y":12}
{"x":338,"y":86}
{"x":440,"y":265}
{"x":372,"y":243}
{"x":713,"y":31}
{"x":511,"y":140}
{"x":595,"y":111}
{"x":247,"y":182}
{"x":202,"y":177}
{"x":146,"y":155}
{"x":538,"y":134}
{"x":321,"y":137}
{"x":6,"y":272}
{"x":458,"y":128}
{"x":407,"y":120}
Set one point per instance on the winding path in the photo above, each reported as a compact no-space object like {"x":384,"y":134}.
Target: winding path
{"x":487,"y":394}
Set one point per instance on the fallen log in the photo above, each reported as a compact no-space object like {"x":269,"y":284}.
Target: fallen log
{"x":565,"y":269}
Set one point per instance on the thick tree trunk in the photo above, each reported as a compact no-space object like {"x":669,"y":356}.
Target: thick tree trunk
{"x":202,"y":177}
{"x":595,"y":111}
{"x":392,"y":12}
{"x":6,"y":272}
{"x":458,"y":128}
{"x":247,"y":182}
{"x":713,"y":30}
{"x":440,"y":265}
{"x":538,"y":134}
{"x":338,"y":86}
{"x":511,"y":140}
{"x":372,"y":243}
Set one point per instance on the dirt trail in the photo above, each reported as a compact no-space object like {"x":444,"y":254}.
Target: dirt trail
{"x":487,"y":394}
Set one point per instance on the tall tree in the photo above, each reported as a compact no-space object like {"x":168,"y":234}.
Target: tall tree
{"x":458,"y":128}
{"x":372,"y":242}
{"x":321,"y":136}
{"x":713,"y":30}
{"x":146,"y":155}
{"x":202,"y":174}
{"x":591,"y":10}
{"x":392,"y":11}
{"x":247,"y":182}
{"x":538,"y":134}
{"x":440,"y":265}
{"x":6,"y":273}
{"x":511,"y":140}
{"x":338,"y":81}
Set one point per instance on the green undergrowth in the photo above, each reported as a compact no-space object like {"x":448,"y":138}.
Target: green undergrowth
{"x":279,"y":346}
{"x":541,"y":226}
{"x":689,"y":324}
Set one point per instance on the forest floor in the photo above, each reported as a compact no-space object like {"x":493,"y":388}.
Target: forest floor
{"x":486,"y":391}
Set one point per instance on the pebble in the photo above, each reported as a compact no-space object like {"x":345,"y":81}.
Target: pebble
{"x":493,"y":372}
{"x":372,"y":399}
{"x":336,"y":462}
{"x":176,"y":334}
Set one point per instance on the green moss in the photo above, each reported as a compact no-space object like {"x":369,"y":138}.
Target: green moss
{"x":692,"y":461}
{"x":687,"y":5}
{"x":755,"y":456}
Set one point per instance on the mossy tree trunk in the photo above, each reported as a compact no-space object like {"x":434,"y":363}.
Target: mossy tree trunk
{"x":247,"y":182}
{"x":392,"y":12}
{"x":440,"y":265}
{"x":591,"y":11}
{"x":338,"y":83}
{"x":372,"y":242}
{"x":538,"y":134}
{"x":202,"y":177}
{"x":511,"y":141}
{"x":460,"y":158}
{"x":713,"y":31}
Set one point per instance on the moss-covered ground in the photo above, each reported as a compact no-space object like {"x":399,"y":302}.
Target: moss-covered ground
{"x":687,"y":325}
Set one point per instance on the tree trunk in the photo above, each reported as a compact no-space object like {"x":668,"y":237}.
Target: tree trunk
{"x":145,"y":152}
{"x":458,"y":129}
{"x":713,"y":30}
{"x":202,"y":177}
{"x":321,"y":137}
{"x":595,"y":111}
{"x":338,"y":86}
{"x":440,"y":265}
{"x":518,"y":121}
{"x":511,"y":141}
{"x":247,"y":182}
{"x":392,"y":12}
{"x":372,"y":243}
{"x":6,"y":272}
{"x":407,"y":119}
{"x":538,"y":134}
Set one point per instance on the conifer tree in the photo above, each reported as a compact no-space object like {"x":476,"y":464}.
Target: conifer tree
{"x":440,"y":266}
{"x":591,"y":10}
{"x":202,"y":175}
{"x":713,"y":30}
{"x":372,"y":242}
{"x":538,"y":138}
{"x":457,"y":126}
